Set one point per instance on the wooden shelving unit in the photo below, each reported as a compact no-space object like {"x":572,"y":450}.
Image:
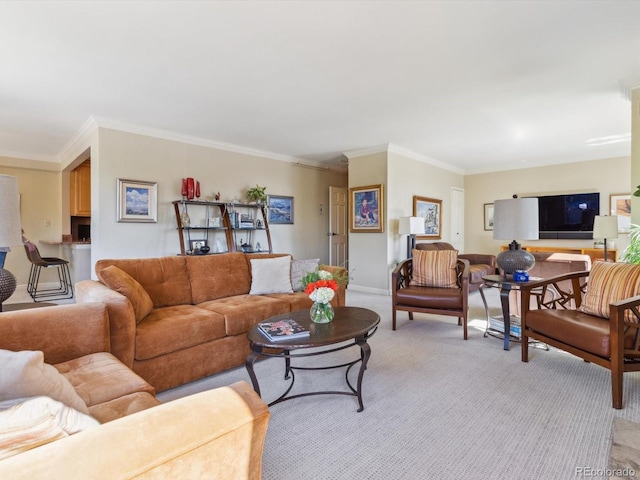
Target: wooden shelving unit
{"x":230,"y":224}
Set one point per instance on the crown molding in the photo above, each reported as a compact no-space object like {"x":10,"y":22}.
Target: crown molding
{"x":78,"y":143}
{"x":205,"y":142}
{"x":397,"y":150}
{"x":366,"y":151}
{"x":628,"y":84}
{"x":423,"y":158}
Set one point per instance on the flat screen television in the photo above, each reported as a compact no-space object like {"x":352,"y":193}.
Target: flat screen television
{"x":568,"y":216}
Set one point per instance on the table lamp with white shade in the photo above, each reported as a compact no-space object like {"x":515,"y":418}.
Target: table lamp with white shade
{"x":10,"y":231}
{"x":411,"y":226}
{"x":605,"y":227}
{"x":515,"y":219}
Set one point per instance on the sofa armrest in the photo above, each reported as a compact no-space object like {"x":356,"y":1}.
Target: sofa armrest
{"x":62,"y":332}
{"x":218,"y":433}
{"x":122,"y":318}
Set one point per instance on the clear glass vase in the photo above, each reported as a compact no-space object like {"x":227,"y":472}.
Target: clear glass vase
{"x":321,"y":312}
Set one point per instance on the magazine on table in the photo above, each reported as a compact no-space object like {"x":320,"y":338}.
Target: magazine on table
{"x":283,"y":329}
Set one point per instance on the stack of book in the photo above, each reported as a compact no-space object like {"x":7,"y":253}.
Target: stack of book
{"x":283,"y":329}
{"x":246,"y":221}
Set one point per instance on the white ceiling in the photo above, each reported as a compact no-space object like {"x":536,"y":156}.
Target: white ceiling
{"x":478,"y":85}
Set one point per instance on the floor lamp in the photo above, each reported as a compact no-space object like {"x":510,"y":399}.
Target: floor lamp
{"x":10,"y":231}
{"x":411,"y":226}
{"x":605,"y":227}
{"x":515,"y":219}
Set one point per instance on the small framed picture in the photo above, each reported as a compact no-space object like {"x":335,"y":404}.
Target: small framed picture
{"x":620,"y":205}
{"x":280,"y":209}
{"x":197,"y":244}
{"x":137,"y":201}
{"x":366,"y":210}
{"x":431,"y":210}
{"x":488,"y":216}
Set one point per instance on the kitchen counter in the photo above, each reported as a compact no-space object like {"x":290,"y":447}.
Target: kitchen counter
{"x":78,"y":254}
{"x":79,"y":242}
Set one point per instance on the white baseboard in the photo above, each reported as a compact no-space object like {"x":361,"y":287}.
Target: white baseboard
{"x":363,"y":289}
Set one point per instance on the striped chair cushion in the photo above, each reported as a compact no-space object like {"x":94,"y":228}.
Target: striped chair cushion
{"x":434,"y":268}
{"x":610,"y":282}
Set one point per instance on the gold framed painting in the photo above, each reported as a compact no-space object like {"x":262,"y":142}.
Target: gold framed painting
{"x":431,"y":210}
{"x":366,"y":210}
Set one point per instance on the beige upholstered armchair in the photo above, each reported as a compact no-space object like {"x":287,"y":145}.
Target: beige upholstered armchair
{"x":434,"y":282}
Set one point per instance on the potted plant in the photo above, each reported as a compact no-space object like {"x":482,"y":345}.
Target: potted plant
{"x":631,"y":254}
{"x":257,"y":194}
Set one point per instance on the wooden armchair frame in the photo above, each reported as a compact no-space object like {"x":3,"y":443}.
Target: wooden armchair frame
{"x":400,"y":279}
{"x":624,"y":335}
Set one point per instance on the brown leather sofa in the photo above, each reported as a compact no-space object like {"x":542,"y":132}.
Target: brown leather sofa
{"x":479,"y":264}
{"x":215,"y":434}
{"x":200,"y":314}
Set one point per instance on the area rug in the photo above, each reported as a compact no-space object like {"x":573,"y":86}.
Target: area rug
{"x":437,"y":406}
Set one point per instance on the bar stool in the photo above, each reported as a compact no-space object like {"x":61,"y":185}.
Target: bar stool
{"x":63,"y":290}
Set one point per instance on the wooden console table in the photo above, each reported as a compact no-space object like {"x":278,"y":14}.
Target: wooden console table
{"x":594,"y":253}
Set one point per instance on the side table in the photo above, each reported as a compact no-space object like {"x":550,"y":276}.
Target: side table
{"x":505,"y":284}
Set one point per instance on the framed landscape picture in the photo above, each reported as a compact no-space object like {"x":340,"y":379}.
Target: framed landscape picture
{"x":488,"y":216}
{"x":431,"y":210}
{"x":620,"y":205}
{"x":137,"y":201}
{"x":366,"y":209}
{"x":280,"y":209}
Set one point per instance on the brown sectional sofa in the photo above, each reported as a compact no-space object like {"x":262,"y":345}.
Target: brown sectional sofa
{"x":199,"y":314}
{"x":214,"y":434}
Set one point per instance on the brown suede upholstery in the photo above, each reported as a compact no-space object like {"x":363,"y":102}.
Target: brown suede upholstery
{"x":480,"y":264}
{"x":75,"y":339}
{"x":202,"y":312}
{"x":218,"y":433}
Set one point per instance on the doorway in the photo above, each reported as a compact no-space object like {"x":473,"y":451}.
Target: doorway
{"x":338,"y":227}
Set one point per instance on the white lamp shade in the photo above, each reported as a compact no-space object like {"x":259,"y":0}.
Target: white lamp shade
{"x":10,"y":229}
{"x":411,"y":226}
{"x":605,"y":226}
{"x":515,"y":219}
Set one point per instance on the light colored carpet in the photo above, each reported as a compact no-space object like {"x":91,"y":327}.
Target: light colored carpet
{"x":439,"y":407}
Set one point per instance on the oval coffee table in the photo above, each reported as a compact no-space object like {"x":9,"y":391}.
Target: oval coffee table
{"x":351,"y":324}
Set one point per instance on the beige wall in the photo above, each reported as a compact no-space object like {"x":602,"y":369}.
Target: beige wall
{"x":635,"y":154}
{"x":373,"y":256}
{"x":40,"y":201}
{"x":609,"y":176}
{"x":137,"y":157}
{"x":367,"y":251}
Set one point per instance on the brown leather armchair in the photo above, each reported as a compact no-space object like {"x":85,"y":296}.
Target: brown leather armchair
{"x":435,"y":300}
{"x":613,"y":343}
{"x":480,"y":264}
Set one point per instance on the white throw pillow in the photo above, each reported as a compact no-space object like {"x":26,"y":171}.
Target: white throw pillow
{"x":24,"y":374}
{"x":271,"y":275}
{"x":27,"y":423}
{"x":299,"y":268}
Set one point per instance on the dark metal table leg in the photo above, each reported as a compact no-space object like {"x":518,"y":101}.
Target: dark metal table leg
{"x":287,"y":365}
{"x":506,"y":315}
{"x":365,"y":350}
{"x":251,"y":359}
